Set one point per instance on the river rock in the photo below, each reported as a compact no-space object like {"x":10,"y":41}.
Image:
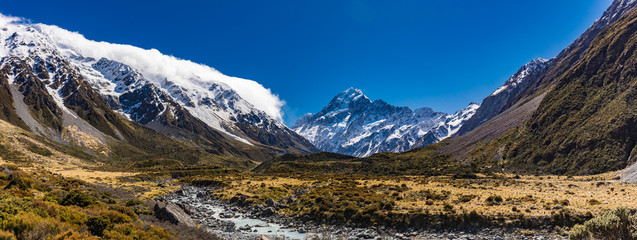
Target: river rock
{"x":245,"y":228}
{"x":228,"y":226}
{"x":185,"y":207}
{"x":366,"y":234}
{"x":226,"y":214}
{"x":262,"y":225}
{"x":172,"y":213}
{"x":268,"y":212}
{"x":238,"y":199}
{"x":182,"y":192}
{"x":270,"y":202}
{"x":201,"y":195}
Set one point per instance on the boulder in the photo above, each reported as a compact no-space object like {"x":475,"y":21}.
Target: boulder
{"x":228,"y":226}
{"x":226,"y":215}
{"x":268,"y":212}
{"x":185,"y":207}
{"x":270,"y":202}
{"x":238,"y":199}
{"x":172,"y":213}
{"x":245,"y":228}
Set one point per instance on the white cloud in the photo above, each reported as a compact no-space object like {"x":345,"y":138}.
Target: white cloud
{"x":156,"y":66}
{"x":4,"y":20}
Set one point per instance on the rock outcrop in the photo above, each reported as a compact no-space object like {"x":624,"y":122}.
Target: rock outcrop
{"x":171,"y":212}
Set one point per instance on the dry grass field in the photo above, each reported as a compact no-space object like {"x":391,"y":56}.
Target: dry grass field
{"x":32,"y":154}
{"x":505,"y":196}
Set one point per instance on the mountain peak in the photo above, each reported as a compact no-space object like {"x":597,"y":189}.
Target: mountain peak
{"x":538,"y":61}
{"x":530,"y":69}
{"x":346,"y":99}
{"x":352,"y":124}
{"x":350,"y":95}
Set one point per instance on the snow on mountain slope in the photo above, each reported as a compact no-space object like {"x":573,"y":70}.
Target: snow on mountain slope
{"x":353,"y":124}
{"x":505,"y":95}
{"x":533,"y":67}
{"x":153,"y":89}
{"x":539,"y":73}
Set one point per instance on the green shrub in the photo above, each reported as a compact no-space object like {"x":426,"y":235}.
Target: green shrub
{"x":28,"y":225}
{"x":4,"y":235}
{"x":619,"y":223}
{"x":125,"y":210}
{"x":77,"y":198}
{"x":466,"y":198}
{"x":133,"y":202}
{"x":20,"y":179}
{"x":493,"y":200}
{"x":447,"y":207}
{"x":117,"y":217}
{"x":593,"y":202}
{"x":579,"y":232}
{"x":38,"y":150}
{"x":71,"y":215}
{"x":97,"y":225}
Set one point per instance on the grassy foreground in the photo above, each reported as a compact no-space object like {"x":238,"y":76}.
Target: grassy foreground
{"x":53,"y":191}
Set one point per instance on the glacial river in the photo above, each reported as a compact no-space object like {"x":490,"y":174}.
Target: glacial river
{"x":258,"y":227}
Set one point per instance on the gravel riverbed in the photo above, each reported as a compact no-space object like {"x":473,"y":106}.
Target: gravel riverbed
{"x":262,"y":222}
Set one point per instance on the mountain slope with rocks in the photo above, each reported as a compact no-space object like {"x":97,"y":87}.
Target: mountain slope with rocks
{"x":538,"y":75}
{"x":575,"y":118}
{"x":76,"y":91}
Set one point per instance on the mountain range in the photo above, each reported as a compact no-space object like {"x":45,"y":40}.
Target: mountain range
{"x":571,"y":114}
{"x":353,"y":124}
{"x":107,"y":97}
{"x":95,"y":94}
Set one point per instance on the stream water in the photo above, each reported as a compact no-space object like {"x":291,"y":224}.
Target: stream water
{"x":257,"y":227}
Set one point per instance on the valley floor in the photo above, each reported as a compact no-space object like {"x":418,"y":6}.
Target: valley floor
{"x":505,"y":205}
{"x":522,"y":206}
{"x":496,"y":206}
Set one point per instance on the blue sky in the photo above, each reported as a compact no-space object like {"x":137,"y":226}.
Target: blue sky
{"x":439,"y":54}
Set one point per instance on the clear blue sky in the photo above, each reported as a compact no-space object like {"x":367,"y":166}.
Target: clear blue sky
{"x":439,"y":54}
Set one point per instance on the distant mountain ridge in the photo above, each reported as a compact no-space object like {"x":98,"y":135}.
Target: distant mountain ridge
{"x":355,"y":125}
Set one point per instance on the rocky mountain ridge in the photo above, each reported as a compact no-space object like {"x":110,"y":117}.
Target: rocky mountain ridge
{"x":355,"y":125}
{"x":56,"y":89}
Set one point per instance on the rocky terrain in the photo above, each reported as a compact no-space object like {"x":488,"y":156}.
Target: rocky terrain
{"x":232,"y":221}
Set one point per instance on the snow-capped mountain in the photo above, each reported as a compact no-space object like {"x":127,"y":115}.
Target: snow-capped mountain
{"x":539,"y":73}
{"x":65,"y":77}
{"x":353,"y":124}
{"x":530,"y":69}
{"x":505,"y":95}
